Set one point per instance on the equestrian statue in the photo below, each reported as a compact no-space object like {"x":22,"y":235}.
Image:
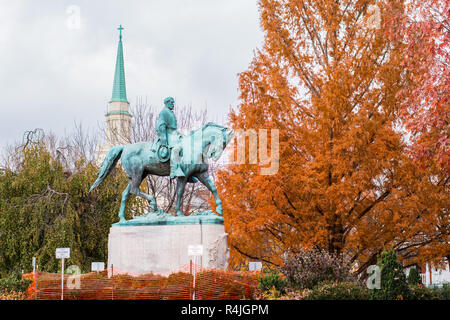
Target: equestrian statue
{"x":184,"y":157}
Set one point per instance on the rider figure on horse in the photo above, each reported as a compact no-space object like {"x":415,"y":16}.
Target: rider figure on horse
{"x":169,"y":138}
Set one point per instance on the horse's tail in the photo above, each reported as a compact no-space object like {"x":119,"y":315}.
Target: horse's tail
{"x":108,"y":164}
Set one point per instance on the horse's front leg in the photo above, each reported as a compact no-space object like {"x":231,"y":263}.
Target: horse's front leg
{"x":206,"y":180}
{"x":181,"y":183}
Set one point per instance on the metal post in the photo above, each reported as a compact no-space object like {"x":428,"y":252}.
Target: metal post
{"x":36,"y":287}
{"x":33,"y":261}
{"x":62,"y":279}
{"x":112,"y":279}
{"x":195,"y":271}
{"x":201,"y":241}
{"x":190,"y":284}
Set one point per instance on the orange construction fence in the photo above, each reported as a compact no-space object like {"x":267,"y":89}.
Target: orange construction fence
{"x":210,"y":284}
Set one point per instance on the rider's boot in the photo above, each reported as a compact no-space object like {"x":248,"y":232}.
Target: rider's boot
{"x":175,"y":167}
{"x":175,"y":171}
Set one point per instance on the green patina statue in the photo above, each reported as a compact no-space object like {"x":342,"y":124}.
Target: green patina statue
{"x":169,"y":138}
{"x":171,"y":154}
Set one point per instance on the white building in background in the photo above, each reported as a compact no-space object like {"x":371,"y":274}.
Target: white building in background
{"x":435,"y":276}
{"x":118,"y":117}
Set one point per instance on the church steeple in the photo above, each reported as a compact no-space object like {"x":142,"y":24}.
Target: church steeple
{"x":119,"y":89}
{"x":118,"y":126}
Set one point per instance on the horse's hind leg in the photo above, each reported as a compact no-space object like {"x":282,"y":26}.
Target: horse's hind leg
{"x":135,"y":183}
{"x":181,"y":183}
{"x":123,"y":202}
{"x":206,"y":180}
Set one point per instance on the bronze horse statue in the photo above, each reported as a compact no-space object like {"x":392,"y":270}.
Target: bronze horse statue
{"x":140,"y":159}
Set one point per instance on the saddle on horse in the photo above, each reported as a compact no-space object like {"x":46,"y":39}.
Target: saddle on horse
{"x":163,"y":152}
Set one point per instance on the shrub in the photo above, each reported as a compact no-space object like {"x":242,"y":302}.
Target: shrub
{"x":12,"y":295}
{"x":332,"y":290}
{"x":274,"y":294}
{"x":420,"y":292}
{"x":308,"y":268}
{"x":14,"y":282}
{"x":414,"y":277}
{"x":393,"y":279}
{"x":272,"y":280}
{"x":445,"y":291}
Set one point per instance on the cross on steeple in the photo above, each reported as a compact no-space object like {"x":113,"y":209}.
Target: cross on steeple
{"x":120,"y":28}
{"x":119,"y":90}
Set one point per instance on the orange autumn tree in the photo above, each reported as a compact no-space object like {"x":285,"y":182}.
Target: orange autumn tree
{"x":328,"y":77}
{"x":426,"y":109}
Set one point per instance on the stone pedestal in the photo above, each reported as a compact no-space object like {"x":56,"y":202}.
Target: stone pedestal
{"x":138,"y":249}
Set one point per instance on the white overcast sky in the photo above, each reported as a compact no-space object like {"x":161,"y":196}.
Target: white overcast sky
{"x":52,"y":75}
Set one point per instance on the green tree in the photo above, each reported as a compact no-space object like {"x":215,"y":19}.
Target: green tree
{"x":43,"y":206}
{"x":414,"y":277}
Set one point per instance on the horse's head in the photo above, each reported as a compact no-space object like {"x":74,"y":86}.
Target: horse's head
{"x":216,"y":138}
